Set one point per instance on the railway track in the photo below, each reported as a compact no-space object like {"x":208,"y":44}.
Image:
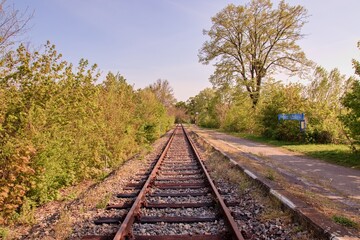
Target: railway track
{"x":174,"y":198}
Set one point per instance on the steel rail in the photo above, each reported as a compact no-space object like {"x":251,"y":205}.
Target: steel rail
{"x":228,"y":217}
{"x":125,"y":228}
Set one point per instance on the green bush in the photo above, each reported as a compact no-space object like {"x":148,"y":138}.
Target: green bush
{"x":322,"y":136}
{"x":240,"y":117}
{"x":58,"y":127}
{"x":289,"y":131}
{"x":351,"y":119}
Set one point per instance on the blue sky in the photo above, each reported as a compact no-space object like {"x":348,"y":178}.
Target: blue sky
{"x":145,"y":40}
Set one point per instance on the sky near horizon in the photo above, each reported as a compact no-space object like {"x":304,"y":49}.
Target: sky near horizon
{"x":145,"y":40}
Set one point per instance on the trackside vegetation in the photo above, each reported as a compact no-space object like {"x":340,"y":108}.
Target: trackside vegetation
{"x":59,"y":127}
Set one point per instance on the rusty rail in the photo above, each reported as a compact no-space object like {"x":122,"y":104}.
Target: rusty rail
{"x":228,"y":217}
{"x":125,"y":228}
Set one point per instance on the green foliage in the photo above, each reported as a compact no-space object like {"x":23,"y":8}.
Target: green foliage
{"x":230,"y":108}
{"x":181,"y":113}
{"x":150,"y":117}
{"x":249,"y":42}
{"x":344,"y":221}
{"x":4,"y":232}
{"x":270,"y":174}
{"x":351,"y":120}
{"x":103,"y":202}
{"x":27,"y":212}
{"x":203,"y":109}
{"x":323,"y":106}
{"x":58,"y":127}
{"x":279,"y":99}
{"x":351,"y":101}
{"x":163,"y":92}
{"x":240,"y":117}
{"x":317,"y":136}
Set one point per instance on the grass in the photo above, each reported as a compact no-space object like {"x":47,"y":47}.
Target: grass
{"x":103,"y":202}
{"x":27,"y":212}
{"x":70,"y":196}
{"x":270,"y":174}
{"x":339,"y":154}
{"x":345,"y":221}
{"x":63,"y":227}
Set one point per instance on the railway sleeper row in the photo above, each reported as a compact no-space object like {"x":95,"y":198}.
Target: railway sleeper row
{"x":179,"y":176}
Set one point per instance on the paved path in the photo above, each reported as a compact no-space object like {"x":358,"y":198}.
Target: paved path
{"x":335,"y":182}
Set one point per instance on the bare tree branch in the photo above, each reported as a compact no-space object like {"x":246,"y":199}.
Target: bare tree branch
{"x":13,"y":24}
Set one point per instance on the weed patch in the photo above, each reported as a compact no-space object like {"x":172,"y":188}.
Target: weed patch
{"x":270,"y":174}
{"x":345,"y":221}
{"x":63,"y":227}
{"x":103,"y":202}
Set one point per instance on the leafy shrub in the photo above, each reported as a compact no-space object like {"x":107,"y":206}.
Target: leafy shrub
{"x":208,"y":121}
{"x":351,"y":119}
{"x":57,"y":127}
{"x":289,"y":131}
{"x":15,"y":175}
{"x":240,"y":117}
{"x":281,"y":99}
{"x":322,"y":136}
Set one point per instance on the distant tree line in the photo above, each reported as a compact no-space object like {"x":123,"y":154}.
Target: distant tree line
{"x":328,"y":103}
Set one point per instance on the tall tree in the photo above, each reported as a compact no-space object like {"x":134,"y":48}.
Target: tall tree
{"x":180,"y":112}
{"x":252,"y":41}
{"x":327,"y":88}
{"x":163,"y":92}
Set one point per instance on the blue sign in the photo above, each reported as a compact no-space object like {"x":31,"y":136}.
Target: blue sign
{"x":294,"y":116}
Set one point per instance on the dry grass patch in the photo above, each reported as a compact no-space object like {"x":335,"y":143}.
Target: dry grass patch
{"x":323,"y":204}
{"x":102,"y":203}
{"x":62,"y":228}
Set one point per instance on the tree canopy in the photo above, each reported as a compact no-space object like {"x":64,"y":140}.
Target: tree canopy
{"x":351,"y":101}
{"x":251,"y":41}
{"x":164,"y":92}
